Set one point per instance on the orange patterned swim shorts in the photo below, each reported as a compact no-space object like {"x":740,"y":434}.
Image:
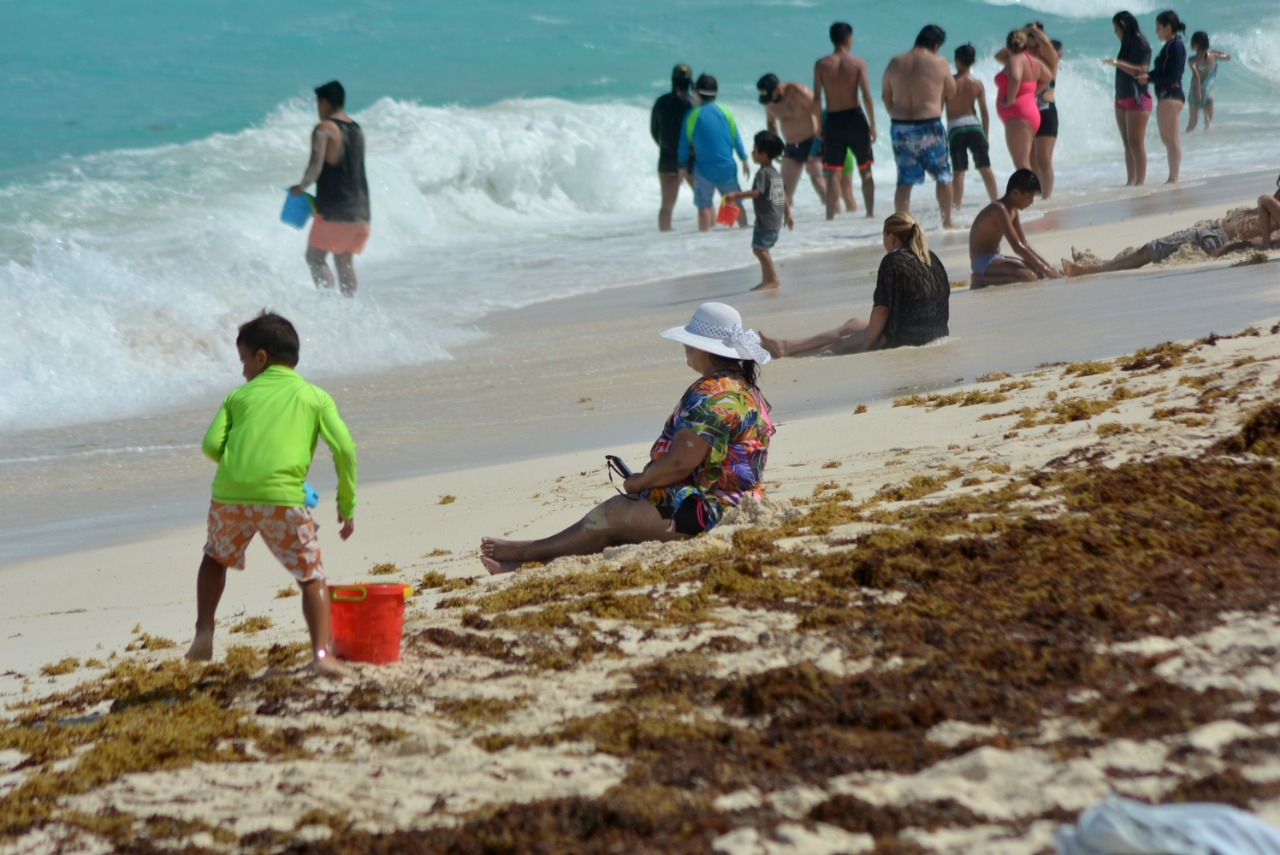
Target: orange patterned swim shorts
{"x":290,"y":534}
{"x":338,"y":238}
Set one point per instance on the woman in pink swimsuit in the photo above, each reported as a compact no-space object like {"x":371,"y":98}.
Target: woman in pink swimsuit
{"x":1016,"y":87}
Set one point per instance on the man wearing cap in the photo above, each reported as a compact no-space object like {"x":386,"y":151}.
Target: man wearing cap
{"x":842,"y":77}
{"x":712,"y":132}
{"x":916,"y":84}
{"x":787,"y":111}
{"x":341,"y":224}
{"x":664,"y":125}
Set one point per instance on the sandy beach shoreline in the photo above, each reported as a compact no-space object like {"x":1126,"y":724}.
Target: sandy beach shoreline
{"x":600,"y":378}
{"x":509,"y":688}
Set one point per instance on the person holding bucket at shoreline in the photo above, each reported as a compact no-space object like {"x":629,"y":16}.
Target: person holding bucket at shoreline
{"x":769,"y":198}
{"x":264,"y":439}
{"x":711,"y":131}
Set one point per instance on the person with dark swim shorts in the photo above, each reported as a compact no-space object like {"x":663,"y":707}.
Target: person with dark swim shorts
{"x":916,"y":85}
{"x":965,"y":132}
{"x":665,"y":123}
{"x":787,"y":110}
{"x":843,"y":78}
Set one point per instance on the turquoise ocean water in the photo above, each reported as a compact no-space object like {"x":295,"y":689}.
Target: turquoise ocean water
{"x":148,"y":144}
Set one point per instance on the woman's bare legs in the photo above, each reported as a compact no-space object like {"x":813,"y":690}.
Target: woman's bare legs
{"x":615,"y":521}
{"x":1168,"y":116}
{"x":1042,"y":163}
{"x":1018,"y":135}
{"x":1133,"y":133}
{"x":780,"y":347}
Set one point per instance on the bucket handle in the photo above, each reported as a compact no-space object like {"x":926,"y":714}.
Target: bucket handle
{"x":340,"y":594}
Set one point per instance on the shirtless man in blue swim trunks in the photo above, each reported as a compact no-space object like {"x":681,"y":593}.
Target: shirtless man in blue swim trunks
{"x":842,"y":77}
{"x":916,"y":84}
{"x":999,"y":221}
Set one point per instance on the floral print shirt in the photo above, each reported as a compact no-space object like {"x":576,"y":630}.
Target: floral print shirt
{"x":733,"y":418}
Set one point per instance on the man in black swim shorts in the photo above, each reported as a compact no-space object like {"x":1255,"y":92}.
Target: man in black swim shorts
{"x":843,"y":78}
{"x":788,"y":110}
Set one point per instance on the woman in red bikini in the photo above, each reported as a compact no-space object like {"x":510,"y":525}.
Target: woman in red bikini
{"x":1016,"y":87}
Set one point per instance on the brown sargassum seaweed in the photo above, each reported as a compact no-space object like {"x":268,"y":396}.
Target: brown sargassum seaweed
{"x":1008,"y":612}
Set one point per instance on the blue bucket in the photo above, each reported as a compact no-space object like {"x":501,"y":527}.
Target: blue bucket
{"x":297,"y":209}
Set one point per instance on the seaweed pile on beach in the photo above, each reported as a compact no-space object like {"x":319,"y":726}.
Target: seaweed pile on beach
{"x":956,"y":659}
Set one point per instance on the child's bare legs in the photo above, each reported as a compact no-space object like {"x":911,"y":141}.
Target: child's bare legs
{"x":1168,"y":112}
{"x":210,"y":582}
{"x":989,"y":181}
{"x":1208,"y":116}
{"x":768,"y":273}
{"x":315,"y":610}
{"x":1193,"y":117}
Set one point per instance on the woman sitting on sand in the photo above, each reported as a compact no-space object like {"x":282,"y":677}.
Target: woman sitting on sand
{"x":911,"y":304}
{"x":711,"y":453}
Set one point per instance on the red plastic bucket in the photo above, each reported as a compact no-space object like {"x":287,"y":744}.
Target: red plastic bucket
{"x":367,"y":621}
{"x":728,"y":215}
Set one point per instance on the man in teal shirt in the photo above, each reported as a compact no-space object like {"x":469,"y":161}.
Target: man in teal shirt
{"x":264,"y":438}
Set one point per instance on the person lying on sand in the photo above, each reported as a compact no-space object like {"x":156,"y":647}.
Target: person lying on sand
{"x":1000,"y":221}
{"x":711,"y":453}
{"x":1239,"y":228}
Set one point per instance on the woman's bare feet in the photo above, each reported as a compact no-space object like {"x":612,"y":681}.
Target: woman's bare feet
{"x":201,"y":649}
{"x":771,"y":285}
{"x":499,"y":556}
{"x":777,"y":347}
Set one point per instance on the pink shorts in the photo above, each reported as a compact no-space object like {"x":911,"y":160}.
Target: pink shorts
{"x":338,"y":238}
{"x":290,"y":534}
{"x":1133,"y":104}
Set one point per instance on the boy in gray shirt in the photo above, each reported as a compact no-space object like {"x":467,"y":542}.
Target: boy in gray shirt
{"x":772,"y":209}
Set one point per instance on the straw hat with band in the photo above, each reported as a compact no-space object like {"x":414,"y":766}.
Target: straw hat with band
{"x":717,"y":328}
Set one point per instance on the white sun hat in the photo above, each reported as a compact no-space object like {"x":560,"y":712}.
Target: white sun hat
{"x":717,"y":328}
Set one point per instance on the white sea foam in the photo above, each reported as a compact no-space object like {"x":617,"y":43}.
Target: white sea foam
{"x":125,"y":274}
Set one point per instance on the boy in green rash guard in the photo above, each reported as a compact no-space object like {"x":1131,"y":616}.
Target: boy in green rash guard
{"x":264,"y":439}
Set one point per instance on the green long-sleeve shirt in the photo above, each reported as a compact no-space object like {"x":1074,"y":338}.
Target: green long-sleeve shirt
{"x":264,"y":439}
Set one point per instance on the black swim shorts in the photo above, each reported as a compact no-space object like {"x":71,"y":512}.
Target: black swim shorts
{"x":968,"y":139}
{"x":690,"y":517}
{"x":1048,"y":121}
{"x":668,"y":160}
{"x":844,"y":130}
{"x":799,"y":152}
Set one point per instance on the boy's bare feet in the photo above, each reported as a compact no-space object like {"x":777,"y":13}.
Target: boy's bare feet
{"x":1070,"y":268}
{"x":201,"y":649}
{"x":771,"y":285}
{"x":325,"y":665}
{"x":495,"y":555}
